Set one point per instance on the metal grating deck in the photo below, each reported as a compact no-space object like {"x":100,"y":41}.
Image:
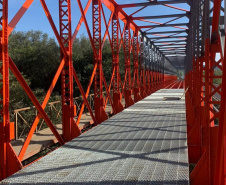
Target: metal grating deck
{"x":144,"y":144}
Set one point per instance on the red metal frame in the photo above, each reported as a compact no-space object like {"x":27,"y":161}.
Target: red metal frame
{"x":128,"y":91}
{"x":142,"y":70}
{"x":9,"y":162}
{"x":117,"y":96}
{"x":136,"y":80}
{"x":141,"y":83}
{"x":100,"y":113}
{"x":206,"y":141}
{"x":70,"y":128}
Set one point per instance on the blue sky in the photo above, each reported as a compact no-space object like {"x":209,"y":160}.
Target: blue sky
{"x":35,"y":18}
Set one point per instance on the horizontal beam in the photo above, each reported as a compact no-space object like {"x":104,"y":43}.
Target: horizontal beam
{"x":176,"y":49}
{"x":162,"y":16}
{"x":113,"y":6}
{"x":152,"y":3}
{"x":163,"y":25}
{"x":173,"y":51}
{"x":172,"y":37}
{"x":171,"y":45}
{"x":165,"y":41}
{"x":221,"y":20}
{"x":175,"y":54}
{"x":166,"y":32}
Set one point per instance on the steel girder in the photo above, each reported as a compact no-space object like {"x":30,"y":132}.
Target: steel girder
{"x":70,"y":128}
{"x":153,"y":3}
{"x":162,"y":16}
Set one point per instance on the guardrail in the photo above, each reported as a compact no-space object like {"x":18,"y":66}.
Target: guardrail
{"x":23,"y":117}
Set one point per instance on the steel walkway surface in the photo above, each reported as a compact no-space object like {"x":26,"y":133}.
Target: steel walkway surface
{"x":144,"y":144}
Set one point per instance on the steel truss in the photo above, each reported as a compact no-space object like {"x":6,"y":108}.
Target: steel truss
{"x":206,"y":123}
{"x":152,"y":70}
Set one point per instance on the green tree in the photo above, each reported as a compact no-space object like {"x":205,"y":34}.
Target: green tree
{"x":36,"y":55}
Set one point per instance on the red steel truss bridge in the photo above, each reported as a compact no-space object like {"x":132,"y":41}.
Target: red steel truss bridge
{"x":161,"y":122}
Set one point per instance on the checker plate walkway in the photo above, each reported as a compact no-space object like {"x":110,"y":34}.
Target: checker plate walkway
{"x":144,"y":144}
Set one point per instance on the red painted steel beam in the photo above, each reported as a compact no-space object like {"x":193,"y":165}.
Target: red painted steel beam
{"x":161,"y":16}
{"x":9,"y":162}
{"x":136,"y":82}
{"x":137,"y":11}
{"x":38,"y":117}
{"x":142,"y":69}
{"x":168,"y":37}
{"x":87,"y":94}
{"x":70,"y":128}
{"x":84,"y":96}
{"x":34,"y":100}
{"x":100,"y":113}
{"x":107,"y":28}
{"x":117,"y":96}
{"x":166,"y":32}
{"x":169,"y":41}
{"x":47,"y":12}
{"x":170,"y":6}
{"x":109,"y":90}
{"x":113,"y":6}
{"x":81,"y":20}
{"x":4,"y":141}
{"x":220,"y":166}
{"x":128,"y":92}
{"x":87,"y":28}
{"x":19,"y":15}
{"x":108,"y":94}
{"x":152,"y":3}
{"x":173,"y":49}
{"x":106,"y":32}
{"x":164,"y":25}
{"x":179,"y":46}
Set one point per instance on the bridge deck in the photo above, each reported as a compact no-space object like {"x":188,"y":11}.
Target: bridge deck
{"x":144,"y":144}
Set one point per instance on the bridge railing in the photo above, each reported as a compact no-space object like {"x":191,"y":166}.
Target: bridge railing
{"x":24,"y":117}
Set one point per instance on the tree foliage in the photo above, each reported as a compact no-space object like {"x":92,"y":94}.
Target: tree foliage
{"x":37,"y":56}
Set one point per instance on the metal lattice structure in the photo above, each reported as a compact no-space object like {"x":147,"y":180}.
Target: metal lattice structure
{"x":154,"y":53}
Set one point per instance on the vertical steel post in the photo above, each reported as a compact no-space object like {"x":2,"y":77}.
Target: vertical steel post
{"x":136,"y":81}
{"x":4,"y":122}
{"x":9,"y":162}
{"x":142,"y":68}
{"x":117,"y":96}
{"x":128,"y":92}
{"x":70,"y":128}
{"x":150,"y":67}
{"x":163,"y":72}
{"x":147,"y":66}
{"x":220,"y":166}
{"x":155,"y":70}
{"x":157,"y":74}
{"x":206,"y":136}
{"x":98,"y":81}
